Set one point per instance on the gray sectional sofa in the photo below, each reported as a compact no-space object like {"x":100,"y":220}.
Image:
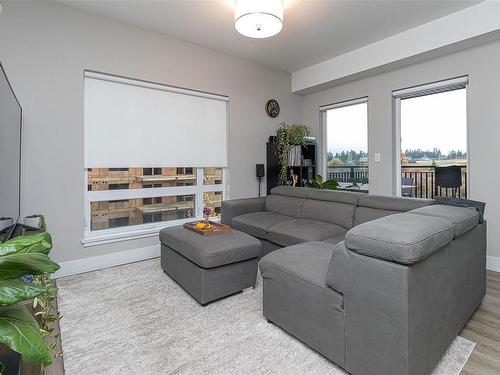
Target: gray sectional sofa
{"x":378,"y":285}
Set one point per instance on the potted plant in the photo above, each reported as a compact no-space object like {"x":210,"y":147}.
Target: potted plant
{"x":318,"y":183}
{"x":6,"y":222}
{"x":25,"y":270}
{"x":287,"y":146}
{"x":35,"y":221}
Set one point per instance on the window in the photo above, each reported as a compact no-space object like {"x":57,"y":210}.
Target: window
{"x":137,"y":184}
{"x":212,"y":176}
{"x":152,"y":218}
{"x":118,"y":169}
{"x":118,"y":222}
{"x":431,"y":135}
{"x":132,"y":212}
{"x":155,"y":207}
{"x":118,"y":186}
{"x":345,"y":144}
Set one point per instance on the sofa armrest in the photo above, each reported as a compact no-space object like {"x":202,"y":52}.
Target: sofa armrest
{"x":237,"y":207}
{"x":401,"y":318}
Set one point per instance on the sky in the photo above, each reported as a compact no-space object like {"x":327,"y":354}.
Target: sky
{"x":437,"y":120}
{"x":347,"y":128}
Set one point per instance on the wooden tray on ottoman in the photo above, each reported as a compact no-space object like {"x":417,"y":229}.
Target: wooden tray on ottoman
{"x":217,"y":229}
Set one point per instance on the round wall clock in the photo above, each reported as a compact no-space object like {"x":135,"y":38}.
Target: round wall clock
{"x":272,"y":108}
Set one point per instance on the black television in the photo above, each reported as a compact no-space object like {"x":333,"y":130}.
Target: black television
{"x":11,"y":116}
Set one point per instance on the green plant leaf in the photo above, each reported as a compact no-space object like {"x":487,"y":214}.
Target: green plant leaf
{"x":330,"y":184}
{"x":12,"y":291}
{"x":297,"y":134}
{"x":20,"y":332}
{"x":34,"y":243}
{"x":19,"y":264}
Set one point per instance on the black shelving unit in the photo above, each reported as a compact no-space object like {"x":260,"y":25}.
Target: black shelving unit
{"x":306,"y":170}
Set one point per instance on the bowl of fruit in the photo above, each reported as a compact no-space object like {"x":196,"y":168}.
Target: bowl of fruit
{"x":202,"y":225}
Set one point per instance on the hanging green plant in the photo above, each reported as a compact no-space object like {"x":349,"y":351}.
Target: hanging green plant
{"x":297,"y":134}
{"x":286,"y":136}
{"x":281,"y":144}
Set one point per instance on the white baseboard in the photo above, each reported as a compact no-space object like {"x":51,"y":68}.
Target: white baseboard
{"x":108,"y":260}
{"x":493,"y":264}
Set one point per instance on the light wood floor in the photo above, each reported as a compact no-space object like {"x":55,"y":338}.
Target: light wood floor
{"x":483,"y":328}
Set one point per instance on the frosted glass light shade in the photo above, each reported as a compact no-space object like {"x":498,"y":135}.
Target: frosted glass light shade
{"x":258,"y":18}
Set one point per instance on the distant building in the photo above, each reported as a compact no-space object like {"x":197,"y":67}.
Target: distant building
{"x":118,"y":213}
{"x":424,"y":158}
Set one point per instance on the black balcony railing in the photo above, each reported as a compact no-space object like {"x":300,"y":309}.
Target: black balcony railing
{"x":348,"y":173}
{"x":417,"y":181}
{"x":420,"y":182}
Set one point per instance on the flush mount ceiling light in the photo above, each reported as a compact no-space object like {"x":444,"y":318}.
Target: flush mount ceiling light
{"x":258,"y":18}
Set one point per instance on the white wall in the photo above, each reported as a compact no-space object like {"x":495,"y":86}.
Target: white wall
{"x":481,"y":64}
{"x":45,"y":47}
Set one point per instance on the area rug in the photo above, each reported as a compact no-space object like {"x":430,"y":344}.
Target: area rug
{"x":134,"y":319}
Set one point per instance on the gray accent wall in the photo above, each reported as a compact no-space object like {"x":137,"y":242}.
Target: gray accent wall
{"x":45,"y":46}
{"x":480,"y":63}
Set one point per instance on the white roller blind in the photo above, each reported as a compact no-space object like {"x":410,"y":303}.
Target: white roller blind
{"x":131,"y":123}
{"x":432,"y":88}
{"x":345,"y":103}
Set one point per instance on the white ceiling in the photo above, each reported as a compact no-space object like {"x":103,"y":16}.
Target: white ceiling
{"x":313,"y":31}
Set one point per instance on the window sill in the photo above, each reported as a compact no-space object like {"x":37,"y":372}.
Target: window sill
{"x":132,"y":233}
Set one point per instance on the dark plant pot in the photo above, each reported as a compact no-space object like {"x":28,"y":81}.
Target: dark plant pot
{"x":10,"y":359}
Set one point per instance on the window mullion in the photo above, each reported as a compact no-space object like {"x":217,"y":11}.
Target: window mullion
{"x":105,"y":195}
{"x":199,"y":195}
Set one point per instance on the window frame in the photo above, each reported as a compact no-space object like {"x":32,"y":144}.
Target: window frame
{"x":323,"y":144}
{"x":431,"y":88}
{"x":103,"y":236}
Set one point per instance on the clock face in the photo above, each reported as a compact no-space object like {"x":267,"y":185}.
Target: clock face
{"x":272,"y":108}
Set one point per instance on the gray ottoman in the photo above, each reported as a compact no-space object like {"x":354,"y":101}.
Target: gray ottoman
{"x":209,"y":267}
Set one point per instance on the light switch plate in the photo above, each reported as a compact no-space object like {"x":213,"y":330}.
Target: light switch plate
{"x":377,"y":156}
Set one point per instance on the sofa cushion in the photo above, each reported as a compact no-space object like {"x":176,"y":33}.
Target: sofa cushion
{"x":284,"y":205}
{"x":383,"y":202}
{"x":330,"y":212}
{"x":308,"y":262}
{"x":334,"y":196}
{"x":296,"y":231}
{"x":257,"y":224}
{"x":289,"y":191}
{"x":404,"y":238}
{"x":364,"y":214}
{"x":335,"y":239}
{"x":464,"y":219}
{"x":211,"y":251}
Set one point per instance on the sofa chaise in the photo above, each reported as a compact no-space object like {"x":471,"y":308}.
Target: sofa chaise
{"x":378,"y":285}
